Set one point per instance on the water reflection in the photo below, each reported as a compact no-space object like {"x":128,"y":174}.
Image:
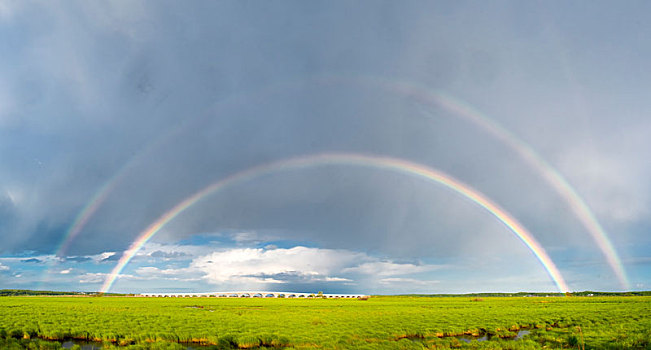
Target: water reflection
{"x":468,"y":338}
{"x":85,"y":345}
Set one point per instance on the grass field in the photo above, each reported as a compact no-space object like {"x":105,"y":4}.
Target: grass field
{"x":378,"y":323}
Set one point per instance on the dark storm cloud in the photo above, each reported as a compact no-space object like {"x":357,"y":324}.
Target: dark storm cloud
{"x":32,"y":260}
{"x":165,"y":98}
{"x":157,"y":88}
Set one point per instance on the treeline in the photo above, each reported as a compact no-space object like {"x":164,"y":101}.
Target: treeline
{"x":601,"y":294}
{"x":534,"y":294}
{"x":17,"y":292}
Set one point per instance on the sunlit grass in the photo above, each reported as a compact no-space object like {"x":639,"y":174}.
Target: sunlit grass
{"x":380,"y":322}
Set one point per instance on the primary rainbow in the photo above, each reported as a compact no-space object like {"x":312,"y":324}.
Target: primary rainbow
{"x":384,"y":163}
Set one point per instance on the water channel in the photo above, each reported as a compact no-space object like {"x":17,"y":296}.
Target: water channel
{"x":91,"y":345}
{"x":469,"y":338}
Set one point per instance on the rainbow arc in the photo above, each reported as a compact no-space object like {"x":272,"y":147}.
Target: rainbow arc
{"x":347,"y":159}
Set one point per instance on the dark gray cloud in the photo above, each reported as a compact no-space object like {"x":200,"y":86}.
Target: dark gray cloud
{"x":32,"y":260}
{"x":158,"y":100}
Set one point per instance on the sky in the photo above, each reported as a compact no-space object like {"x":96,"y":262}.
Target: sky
{"x":113,"y":113}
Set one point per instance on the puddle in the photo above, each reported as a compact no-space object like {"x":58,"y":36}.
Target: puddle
{"x":521,"y":334}
{"x":85,"y":345}
{"x":91,"y":345}
{"x":469,"y":338}
{"x":68,"y":344}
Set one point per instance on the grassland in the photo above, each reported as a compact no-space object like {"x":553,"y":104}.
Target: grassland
{"x":378,"y":323}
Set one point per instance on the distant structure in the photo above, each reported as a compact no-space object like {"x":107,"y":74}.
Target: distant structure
{"x":254,"y":294}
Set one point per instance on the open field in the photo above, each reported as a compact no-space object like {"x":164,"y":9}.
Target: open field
{"x":378,"y":323}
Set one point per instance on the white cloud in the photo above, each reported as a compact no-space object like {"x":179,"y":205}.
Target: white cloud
{"x":97,"y":258}
{"x":65,"y":272}
{"x":246,"y":237}
{"x":386,"y":268}
{"x":48,"y":259}
{"x":264,"y":266}
{"x":4,"y":267}
{"x":104,"y":256}
{"x":171,"y":251}
{"x":98,"y":277}
{"x":298,"y":264}
{"x":182,"y":274}
{"x":252,"y":267}
{"x":337,"y":279}
{"x":92,"y":277}
{"x":408,"y":281}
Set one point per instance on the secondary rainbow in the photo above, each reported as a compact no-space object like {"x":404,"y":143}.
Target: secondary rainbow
{"x":348,"y":159}
{"x":458,"y":108}
{"x":100,"y":196}
{"x":88,"y":210}
{"x":551,"y":175}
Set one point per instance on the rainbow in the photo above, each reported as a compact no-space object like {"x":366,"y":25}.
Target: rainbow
{"x":384,"y":163}
{"x":100,"y":196}
{"x":103,"y":192}
{"x":88,"y":210}
{"x":552,"y":176}
{"x":458,"y":108}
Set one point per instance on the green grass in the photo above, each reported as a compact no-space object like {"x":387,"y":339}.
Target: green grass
{"x":380,"y":322}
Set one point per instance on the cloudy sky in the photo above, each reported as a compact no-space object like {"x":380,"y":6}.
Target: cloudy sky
{"x":111,"y":113}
